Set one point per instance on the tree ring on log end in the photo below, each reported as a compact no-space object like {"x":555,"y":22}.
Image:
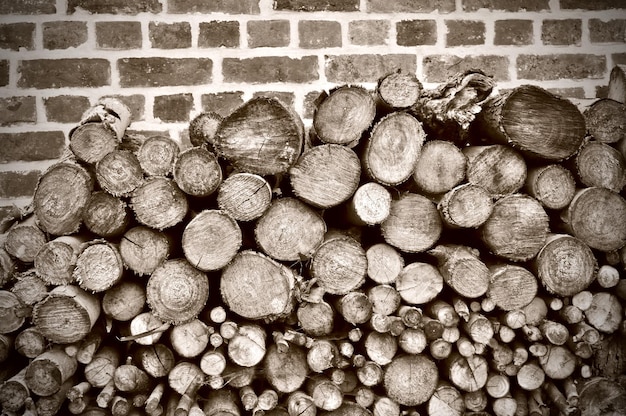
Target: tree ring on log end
{"x":411,"y":379}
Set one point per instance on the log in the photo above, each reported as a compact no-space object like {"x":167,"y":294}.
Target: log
{"x":221,"y":403}
{"x":497,"y":385}
{"x":245,"y":196}
{"x":384,"y":406}
{"x":89,"y":345}
{"x":385,"y":299}
{"x":130,"y":378}
{"x":499,"y":169}
{"x":617,"y":84}
{"x":203,"y":128}
{"x":321,"y":355}
{"x":440,"y":167}
{"x":106,"y":395}
{"x":14,"y":391}
{"x":29,"y":288}
{"x":530,"y":376}
{"x":554,"y":332}
{"x":50,"y":405}
{"x":465,"y":206}
{"x":190,"y":339}
{"x":370,"y":374}
{"x":300,"y":403}
{"x":29,"y":342}
{"x":392,"y":149}
{"x":49,"y":371}
{"x":98,"y":266}
{"x":467,"y":373}
{"x":348,"y":409}
{"x":559,"y":363}
{"x":326,"y":175}
{"x":124,"y":301}
{"x":446,"y":401}
{"x":479,"y":328}
{"x":316,"y":318}
{"x":261,"y":136}
{"x":112,"y":113}
{"x":7,"y":267}
{"x":599,"y":164}
{"x":247,"y":348}
{"x":605,"y":312}
{"x":90,"y":142}
{"x":370,"y":204}
{"x":106,"y":215}
{"x":343,"y":115}
{"x":605,"y":120}
{"x":159,"y":203}
{"x":355,"y":308}
{"x":100,"y":371}
{"x":119,"y":173}
{"x":183,"y":375}
{"x":339,"y":265}
{"x":411,"y":380}
{"x":384,"y":263}
{"x":157,"y":360}
{"x":286,"y":372}
{"x":608,"y":276}
{"x":552,"y":185}
{"x":381,"y":347}
{"x":419,"y":283}
{"x":24,"y":240}
{"x":326,"y":395}
{"x":599,"y":395}
{"x":475,"y":401}
{"x":157,"y":154}
{"x":462,"y":269}
{"x":143,"y":249}
{"x":197,"y":172}
{"x":397,"y":91}
{"x":525,"y":117}
{"x":511,"y":287}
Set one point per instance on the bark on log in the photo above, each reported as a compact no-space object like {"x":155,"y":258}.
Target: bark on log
{"x":203,"y":128}
{"x":511,"y":287}
{"x":411,"y":379}
{"x":499,"y":169}
{"x":197,"y":172}
{"x":462,"y":270}
{"x":245,"y":196}
{"x":419,"y":283}
{"x":398,"y":90}
{"x":90,"y":142}
{"x":159,"y":203}
{"x":599,"y":164}
{"x":106,"y":215}
{"x":617,"y":84}
{"x":157,"y":154}
{"x":440,"y":167}
{"x":552,"y":185}
{"x":143,"y":249}
{"x":605,"y":120}
{"x":339,"y":265}
{"x":98,"y":266}
{"x":221,"y":403}
{"x":119,"y":173}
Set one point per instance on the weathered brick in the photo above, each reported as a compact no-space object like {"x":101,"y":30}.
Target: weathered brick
{"x":15,"y":36}
{"x":602,"y":91}
{"x":222,"y":103}
{"x":64,"y":34}
{"x":316,"y":34}
{"x":619,"y":58}
{"x":115,"y":6}
{"x":573,"y":92}
{"x":158,"y":72}
{"x":4,"y":73}
{"x":368,"y":32}
{"x":14,"y":110}
{"x":410,"y":6}
{"x":610,"y":31}
{"x":310,"y":103}
{"x":269,"y":69}
{"x":175,"y":35}
{"x":31,"y":146}
{"x":18,"y":184}
{"x":561,"y":32}
{"x":465,"y":32}
{"x":439,"y":68}
{"x":515,"y":32}
{"x":592,"y":5}
{"x":173,"y":108}
{"x":217,"y":34}
{"x":28,"y":7}
{"x":136,"y":104}
{"x":65,"y":108}
{"x":506,"y":5}
{"x":58,"y":73}
{"x":287,"y":98}
{"x":268,"y":33}
{"x":118,"y":35}
{"x":317,"y":5}
{"x":366,"y":68}
{"x":214,"y":6}
{"x":416,"y":32}
{"x":561,"y":66}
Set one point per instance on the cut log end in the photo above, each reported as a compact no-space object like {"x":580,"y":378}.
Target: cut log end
{"x":159,"y":203}
{"x":245,"y":196}
{"x":157,"y":154}
{"x":411,"y":379}
{"x":197,"y":172}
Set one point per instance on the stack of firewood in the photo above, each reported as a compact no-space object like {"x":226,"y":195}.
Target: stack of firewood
{"x":451,"y":251}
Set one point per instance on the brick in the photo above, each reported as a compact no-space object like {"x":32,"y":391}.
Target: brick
{"x":214,"y":6}
{"x":439,"y":68}
{"x":64,"y":34}
{"x":287,"y":98}
{"x":368,"y":32}
{"x":310,"y":103}
{"x":561,"y":32}
{"x":58,"y":73}
{"x":366,"y":68}
{"x":573,"y":92}
{"x":158,"y":72}
{"x":216,"y":34}
{"x":15,"y":36}
{"x":173,"y":108}
{"x":268,"y":33}
{"x":515,"y":32}
{"x":316,"y":34}
{"x":416,"y":32}
{"x":118,"y":35}
{"x":317,"y":5}
{"x":4,"y":73}
{"x":18,"y":184}
{"x":175,"y":35}
{"x":31,"y":146}
{"x":619,"y":58}
{"x":136,"y":103}
{"x":65,"y":108}
{"x":561,"y":66}
{"x":268,"y":69}
{"x":506,"y":5}
{"x":410,"y":6}
{"x":610,"y":31}
{"x":602,"y":91}
{"x":592,"y":5}
{"x":115,"y":6}
{"x":222,"y":103}
{"x":28,"y":7}
{"x":465,"y":32}
{"x":15,"y":110}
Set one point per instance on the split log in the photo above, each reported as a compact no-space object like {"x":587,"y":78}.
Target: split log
{"x":511,"y":287}
{"x":397,"y":91}
{"x":605,"y":120}
{"x":106,"y":215}
{"x":599,"y":164}
{"x":446,"y":401}
{"x":552,"y":185}
{"x":124,"y":301}
{"x":119,"y":173}
{"x":465,"y":206}
{"x":90,"y":142}
{"x":370,"y":204}
{"x":203,"y":128}
{"x":467,"y":373}
{"x":462,"y":269}
{"x":24,"y":240}
{"x":411,"y":380}
{"x":525,"y":118}
{"x":384,"y":263}
{"x":197,"y":172}
{"x":157,"y":154}
{"x":159,"y":203}
{"x":419,"y":283}
{"x":143,"y":249}
{"x":286,"y":372}
{"x":245,"y":196}
{"x":339,"y":265}
{"x":617,"y":84}
{"x":157,"y":360}
{"x":247,"y":348}
{"x":98,"y":266}
{"x":440,"y":167}
{"x":48,"y":372}
{"x":498,"y":169}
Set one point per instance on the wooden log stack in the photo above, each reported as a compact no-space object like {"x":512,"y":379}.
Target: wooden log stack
{"x":453,"y":251}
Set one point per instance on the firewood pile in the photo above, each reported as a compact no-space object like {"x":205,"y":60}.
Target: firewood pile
{"x":453,"y":251}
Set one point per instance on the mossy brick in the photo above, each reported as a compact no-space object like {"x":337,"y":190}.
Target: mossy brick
{"x":592,"y":5}
{"x":268,"y":33}
{"x":64,"y":34}
{"x":58,"y":73}
{"x":31,"y":146}
{"x":4,"y":72}
{"x":269,"y":69}
{"x":286,"y":98}
{"x":173,"y":108}
{"x":214,"y":6}
{"x":561,"y":66}
{"x":118,"y":35}
{"x":609,"y":31}
{"x":416,"y":32}
{"x":439,"y":68}
{"x":28,"y":7}
{"x":115,"y":6}
{"x":561,"y":31}
{"x":506,"y":5}
{"x":316,"y":34}
{"x":18,"y":184}
{"x":176,"y":35}
{"x":16,"y":36}
{"x":160,"y":71}
{"x":222,"y":103}
{"x":65,"y":108}
{"x":317,"y":5}
{"x":16,"y":110}
{"x":216,"y":34}
{"x":369,"y":32}
{"x":136,"y":103}
{"x":366,"y":67}
{"x":410,"y":6}
{"x":465,"y":32}
{"x":513,"y":32}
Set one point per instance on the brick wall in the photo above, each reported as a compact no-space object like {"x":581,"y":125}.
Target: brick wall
{"x":171,"y":59}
